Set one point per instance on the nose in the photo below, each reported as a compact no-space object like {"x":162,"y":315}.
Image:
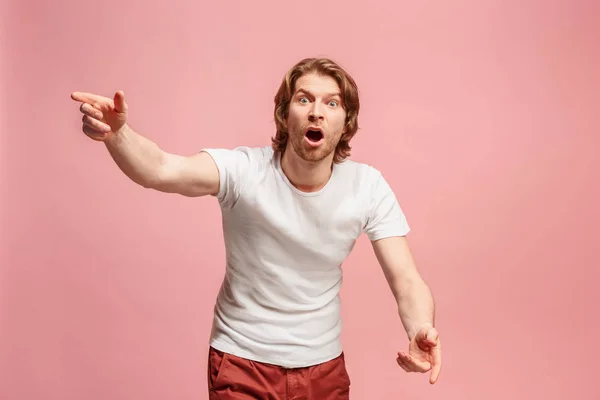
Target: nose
{"x":315,"y":113}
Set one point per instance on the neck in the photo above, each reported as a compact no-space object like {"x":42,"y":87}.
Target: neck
{"x":305,"y":175}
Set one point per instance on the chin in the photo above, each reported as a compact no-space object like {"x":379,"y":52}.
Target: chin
{"x":311,"y":157}
{"x":316,"y":155}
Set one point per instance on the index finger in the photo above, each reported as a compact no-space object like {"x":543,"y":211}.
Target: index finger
{"x":88,"y":97}
{"x":436,"y":364}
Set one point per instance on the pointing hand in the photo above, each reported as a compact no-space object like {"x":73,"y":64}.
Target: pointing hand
{"x":102,"y":116}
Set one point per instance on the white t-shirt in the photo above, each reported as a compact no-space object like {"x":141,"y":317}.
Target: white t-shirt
{"x":279,"y":302}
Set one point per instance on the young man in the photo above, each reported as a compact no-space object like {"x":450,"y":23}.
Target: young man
{"x":292,"y":212}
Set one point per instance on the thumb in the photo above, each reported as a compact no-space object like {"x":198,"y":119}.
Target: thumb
{"x":120,"y":105}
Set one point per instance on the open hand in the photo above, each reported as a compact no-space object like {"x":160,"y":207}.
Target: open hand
{"x":424,"y":354}
{"x":102,"y":116}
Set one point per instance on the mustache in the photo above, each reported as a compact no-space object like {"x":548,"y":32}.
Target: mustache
{"x":304,"y":127}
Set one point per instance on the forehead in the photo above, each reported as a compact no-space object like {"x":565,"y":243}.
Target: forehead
{"x":317,"y":84}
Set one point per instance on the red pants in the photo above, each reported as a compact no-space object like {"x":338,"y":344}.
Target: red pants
{"x":232,"y":377}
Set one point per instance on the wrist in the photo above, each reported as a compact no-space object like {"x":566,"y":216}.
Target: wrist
{"x":413,"y":331}
{"x":113,"y":138}
{"x":122,"y":130}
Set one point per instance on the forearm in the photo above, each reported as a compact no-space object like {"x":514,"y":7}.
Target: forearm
{"x":138,"y":157}
{"x":416,"y":305}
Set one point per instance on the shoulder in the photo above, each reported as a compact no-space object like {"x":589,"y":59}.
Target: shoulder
{"x":365,"y":181}
{"x":239,"y":168}
{"x":359,"y":172}
{"x":260,"y":155}
{"x":242,"y":155}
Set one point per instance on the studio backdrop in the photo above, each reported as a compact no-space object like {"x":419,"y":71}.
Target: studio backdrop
{"x":482,"y":116}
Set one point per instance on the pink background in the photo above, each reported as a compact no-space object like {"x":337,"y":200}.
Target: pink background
{"x":483,"y":115}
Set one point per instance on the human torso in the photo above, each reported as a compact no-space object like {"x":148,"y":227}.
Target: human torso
{"x":285,"y":248}
{"x":279,"y":302}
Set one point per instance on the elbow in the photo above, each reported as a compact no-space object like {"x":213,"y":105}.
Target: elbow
{"x":153,"y":180}
{"x":157,"y":176}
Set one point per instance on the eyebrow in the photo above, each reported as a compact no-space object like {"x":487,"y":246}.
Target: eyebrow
{"x":334,"y":94}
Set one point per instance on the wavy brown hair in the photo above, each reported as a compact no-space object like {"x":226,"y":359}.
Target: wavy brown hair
{"x":350,"y":101}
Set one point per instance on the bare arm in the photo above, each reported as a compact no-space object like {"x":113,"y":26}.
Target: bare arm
{"x":142,"y":160}
{"x":415,"y":306}
{"x":415,"y":301}
{"x":145,"y":163}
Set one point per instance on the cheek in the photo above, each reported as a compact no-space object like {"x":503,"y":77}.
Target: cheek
{"x":341,"y":123}
{"x":293,"y":118}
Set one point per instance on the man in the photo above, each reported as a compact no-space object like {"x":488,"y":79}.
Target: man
{"x":292,"y":212}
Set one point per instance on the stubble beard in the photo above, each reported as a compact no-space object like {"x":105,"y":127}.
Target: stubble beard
{"x":311,"y":154}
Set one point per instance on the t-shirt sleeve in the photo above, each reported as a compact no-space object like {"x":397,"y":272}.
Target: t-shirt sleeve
{"x":233,"y":166}
{"x":385,"y":218}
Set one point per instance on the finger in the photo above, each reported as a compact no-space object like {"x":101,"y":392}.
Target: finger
{"x":415,"y":364}
{"x":436,"y":365}
{"x":404,"y":365}
{"x":120,"y":105}
{"x":92,"y":133}
{"x":435,"y":373}
{"x":95,"y":124}
{"x":88,"y":98}
{"x":87,"y":109}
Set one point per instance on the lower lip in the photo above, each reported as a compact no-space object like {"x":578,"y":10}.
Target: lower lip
{"x":313,"y":144}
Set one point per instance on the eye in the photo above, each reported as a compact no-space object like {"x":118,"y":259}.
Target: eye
{"x":303,"y":100}
{"x":333,"y":103}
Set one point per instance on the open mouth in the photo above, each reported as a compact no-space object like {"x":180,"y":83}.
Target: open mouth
{"x":314,"y":136}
